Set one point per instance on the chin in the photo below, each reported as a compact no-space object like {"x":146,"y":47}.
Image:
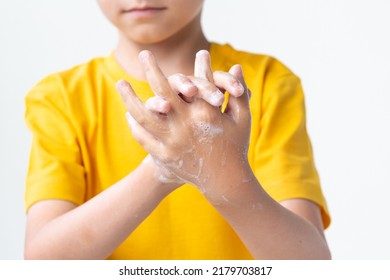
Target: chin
{"x":147,"y":40}
{"x":148,"y":34}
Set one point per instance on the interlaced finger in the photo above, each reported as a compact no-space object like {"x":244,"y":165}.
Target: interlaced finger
{"x":147,"y":119}
{"x":157,"y":81}
{"x":202,"y":68}
{"x":238,"y":107}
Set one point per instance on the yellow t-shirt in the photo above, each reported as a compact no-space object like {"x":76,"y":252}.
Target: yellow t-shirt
{"x":82,"y":145}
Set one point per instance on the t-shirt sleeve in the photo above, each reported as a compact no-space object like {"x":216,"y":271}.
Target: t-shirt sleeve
{"x":55,"y":168}
{"x":284,"y":162}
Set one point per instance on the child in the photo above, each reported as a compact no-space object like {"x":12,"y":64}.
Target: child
{"x":93,"y":192}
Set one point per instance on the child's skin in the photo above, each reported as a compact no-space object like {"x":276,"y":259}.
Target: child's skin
{"x":59,"y":229}
{"x":185,"y":137}
{"x":193,"y":152}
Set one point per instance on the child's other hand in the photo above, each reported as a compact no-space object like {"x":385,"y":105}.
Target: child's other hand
{"x":195,"y":142}
{"x":208,"y":85}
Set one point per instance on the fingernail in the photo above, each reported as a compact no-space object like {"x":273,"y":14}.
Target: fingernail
{"x":130,"y":119}
{"x":239,"y":69}
{"x":188,"y":89}
{"x":240,"y":88}
{"x":143,"y":55}
{"x":201,"y":52}
{"x":161,"y":104}
{"x":119,"y":85}
{"x":122,"y":86}
{"x":217,"y":98}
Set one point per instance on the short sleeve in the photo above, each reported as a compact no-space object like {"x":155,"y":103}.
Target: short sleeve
{"x":284,"y":161}
{"x":55,"y":168}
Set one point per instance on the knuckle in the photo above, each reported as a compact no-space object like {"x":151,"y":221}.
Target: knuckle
{"x":180,"y":76}
{"x":218,"y":73}
{"x":167,"y":156}
{"x":174,"y":77}
{"x":201,"y":112}
{"x":141,"y":120}
{"x":206,"y":87}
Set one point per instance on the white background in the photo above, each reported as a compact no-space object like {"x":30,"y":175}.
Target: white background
{"x":339,"y":48}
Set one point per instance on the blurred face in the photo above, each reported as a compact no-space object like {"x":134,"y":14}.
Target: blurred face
{"x":151,"y":21}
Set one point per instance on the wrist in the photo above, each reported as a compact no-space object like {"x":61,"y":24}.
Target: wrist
{"x":157,"y":181}
{"x":235,"y":186}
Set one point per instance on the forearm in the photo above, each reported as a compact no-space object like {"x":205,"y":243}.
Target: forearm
{"x":95,"y":229}
{"x":268,"y":230}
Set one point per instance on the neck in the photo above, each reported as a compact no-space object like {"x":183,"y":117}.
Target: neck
{"x":174,"y":55}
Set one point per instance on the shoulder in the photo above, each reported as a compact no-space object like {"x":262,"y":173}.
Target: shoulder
{"x":67,"y":81}
{"x":66,"y":94}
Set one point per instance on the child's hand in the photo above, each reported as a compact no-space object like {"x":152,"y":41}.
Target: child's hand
{"x":195,"y":141}
{"x":208,"y":85}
